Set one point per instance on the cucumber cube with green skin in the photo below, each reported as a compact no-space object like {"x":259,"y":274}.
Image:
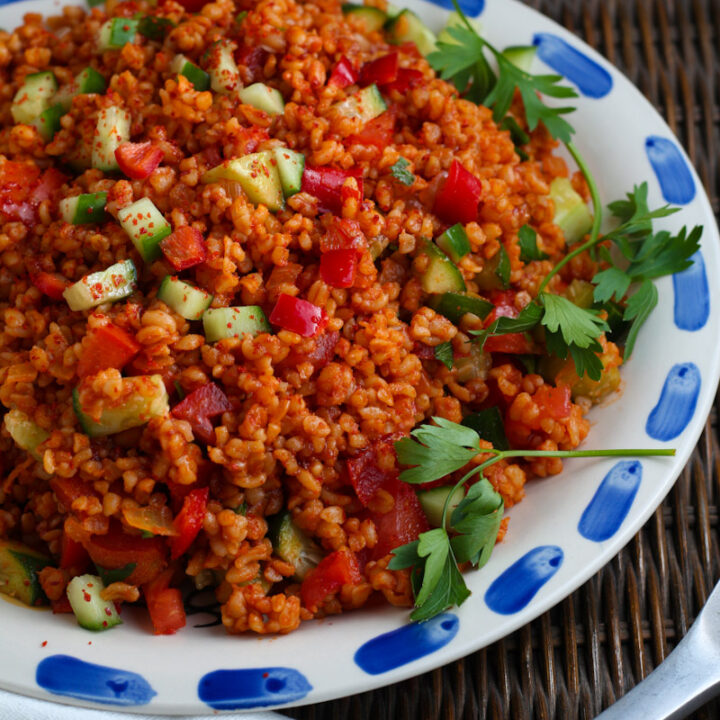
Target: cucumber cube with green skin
{"x":115,"y":283}
{"x":572,"y":214}
{"x":199,"y":78}
{"x":372,"y":18}
{"x":145,"y":397}
{"x":223,"y":70}
{"x":26,"y":434}
{"x":454,"y":305}
{"x":228,"y":322}
{"x":48,"y":121}
{"x":290,"y":166}
{"x":408,"y":27}
{"x":292,"y":545}
{"x":90,"y":610}
{"x":146,"y":226}
{"x":86,"y":82}
{"x":19,"y":568}
{"x":433,"y":501}
{"x":454,"y":242}
{"x":441,"y":274}
{"x":365,"y":104}
{"x":185,"y":299}
{"x":116,"y":33}
{"x":34,"y":96}
{"x":262,"y":97}
{"x":111,"y":131}
{"x":258,"y":176}
{"x":521,"y":56}
{"x":84,"y":209}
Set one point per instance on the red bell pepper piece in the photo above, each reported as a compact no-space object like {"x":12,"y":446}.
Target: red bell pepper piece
{"x":73,"y":556}
{"x":206,"y":402}
{"x":298,"y":316}
{"x":253,"y":57}
{"x":189,"y":521}
{"x":512,"y":343}
{"x":48,"y":186}
{"x":343,"y":74}
{"x":457,"y":201}
{"x":320,"y":355}
{"x":138,"y":160}
{"x":164,"y":604}
{"x":326,"y":184}
{"x":67,"y":490}
{"x":23,"y":188}
{"x":379,"y":131}
{"x":406,"y":79}
{"x":51,"y":284}
{"x":337,"y":569}
{"x":338,"y":267}
{"x":343,"y":234}
{"x":380,"y":71}
{"x":367,"y":475}
{"x":107,"y":346}
{"x":553,"y":401}
{"x":184,"y":248}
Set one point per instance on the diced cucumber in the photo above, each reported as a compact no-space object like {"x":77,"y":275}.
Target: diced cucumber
{"x":199,"y":78}
{"x":258,"y":176}
{"x":33,"y":97}
{"x":154,"y":27}
{"x":145,"y":398}
{"x":146,"y":226}
{"x":454,"y":305}
{"x":227,"y":322}
{"x":521,"y":56}
{"x":263,"y":97}
{"x":572,"y":214}
{"x":441,"y":274}
{"x":474,"y":366}
{"x":454,"y":20}
{"x":19,"y":568}
{"x":290,"y":166}
{"x":87,"y":81}
{"x":91,"y":611}
{"x":84,"y":209}
{"x":116,"y":282}
{"x":26,"y":434}
{"x":292,"y":545}
{"x":365,"y":104}
{"x":116,"y":32}
{"x":372,"y":18}
{"x":454,"y":242}
{"x":185,"y":299}
{"x":408,"y":27}
{"x":224,"y":73}
{"x":112,"y":129}
{"x":433,"y":501}
{"x":48,"y":121}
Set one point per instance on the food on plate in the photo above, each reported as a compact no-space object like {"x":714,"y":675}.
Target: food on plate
{"x":265,"y":268}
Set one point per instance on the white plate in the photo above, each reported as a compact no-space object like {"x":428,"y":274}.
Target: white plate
{"x":671,"y":380}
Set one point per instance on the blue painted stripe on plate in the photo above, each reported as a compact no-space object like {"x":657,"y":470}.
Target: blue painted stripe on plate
{"x":612,"y":501}
{"x":68,"y":676}
{"x":518,"y":585}
{"x":246,"y":688}
{"x":407,"y":643}
{"x":591,"y":79}
{"x":677,"y":402}
{"x":692,"y":296}
{"x":671,"y":169}
{"x":473,"y":8}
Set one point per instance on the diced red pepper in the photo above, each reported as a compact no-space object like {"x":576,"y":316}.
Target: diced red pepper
{"x":343,"y":234}
{"x":326,"y":184}
{"x":512,"y":343}
{"x":138,"y":160}
{"x":298,"y":316}
{"x":380,"y":71}
{"x":164,"y":605}
{"x":48,"y":186}
{"x":199,"y":407}
{"x":553,"y":401}
{"x":73,"y":555}
{"x":337,"y":569}
{"x":379,"y":131}
{"x":338,"y":267}
{"x":343,"y":74}
{"x":406,"y":78}
{"x":23,"y":188}
{"x":253,"y":57}
{"x":51,"y":284}
{"x":321,"y":354}
{"x":69,"y":489}
{"x":457,"y":201}
{"x":184,"y":248}
{"x":189,"y":521}
{"x":106,"y":346}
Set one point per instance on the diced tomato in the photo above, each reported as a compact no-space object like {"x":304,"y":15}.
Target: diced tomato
{"x":338,"y":267}
{"x":51,"y":284}
{"x":423,"y":351}
{"x":373,"y":468}
{"x":379,"y":131}
{"x":553,"y":401}
{"x":164,"y":605}
{"x":298,"y":315}
{"x":343,"y":234}
{"x":380,"y":71}
{"x":320,"y":355}
{"x":337,"y":569}
{"x":138,"y":160}
{"x":189,"y":521}
{"x":326,"y":184}
{"x":458,"y":198}
{"x":73,"y":556}
{"x":512,"y":343}
{"x":61,"y":606}
{"x":253,"y":57}
{"x":184,"y":248}
{"x":106,"y":346}
{"x":69,"y":489}
{"x":23,"y":188}
{"x":343,"y":74}
{"x":48,"y":186}
{"x":199,"y":407}
{"x":248,"y":139}
{"x":406,"y":78}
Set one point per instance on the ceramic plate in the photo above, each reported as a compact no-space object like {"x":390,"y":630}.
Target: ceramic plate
{"x":564,"y":531}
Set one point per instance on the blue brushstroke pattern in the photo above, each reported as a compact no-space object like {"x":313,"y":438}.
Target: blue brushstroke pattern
{"x":612,"y":501}
{"x":71,"y":677}
{"x":473,"y":8}
{"x":676,"y":405}
{"x":252,"y":687}
{"x":671,"y":169}
{"x":517,"y":586}
{"x":591,"y":79}
{"x":407,"y":643}
{"x":692,"y":296}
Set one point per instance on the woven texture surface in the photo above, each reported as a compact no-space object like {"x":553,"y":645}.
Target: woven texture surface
{"x":575,"y":660}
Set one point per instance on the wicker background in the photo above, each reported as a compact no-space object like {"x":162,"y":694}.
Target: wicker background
{"x":578,"y":658}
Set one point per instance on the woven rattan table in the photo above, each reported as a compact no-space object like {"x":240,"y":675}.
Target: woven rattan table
{"x":578,"y":658}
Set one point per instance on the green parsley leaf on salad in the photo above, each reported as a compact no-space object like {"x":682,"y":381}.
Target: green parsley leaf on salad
{"x":529,"y":250}
{"x":401,"y":173}
{"x":444,"y":353}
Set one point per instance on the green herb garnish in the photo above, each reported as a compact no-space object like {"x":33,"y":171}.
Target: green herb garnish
{"x":401,"y":173}
{"x":444,"y":353}
{"x":529,"y":250}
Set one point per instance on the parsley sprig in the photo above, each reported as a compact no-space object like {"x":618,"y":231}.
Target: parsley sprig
{"x":468,"y":533}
